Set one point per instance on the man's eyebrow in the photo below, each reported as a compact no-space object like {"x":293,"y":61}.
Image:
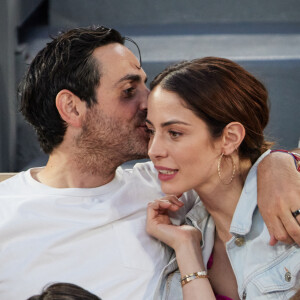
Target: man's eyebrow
{"x":171,"y":122}
{"x":130,"y":77}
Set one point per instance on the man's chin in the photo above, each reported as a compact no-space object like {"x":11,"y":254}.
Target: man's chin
{"x":141,"y":150}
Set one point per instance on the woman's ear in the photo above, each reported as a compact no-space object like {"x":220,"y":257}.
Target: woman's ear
{"x":70,"y":108}
{"x":233,"y":135}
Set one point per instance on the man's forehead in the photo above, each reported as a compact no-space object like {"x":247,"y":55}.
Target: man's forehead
{"x":115,"y":54}
{"x":117,"y":61}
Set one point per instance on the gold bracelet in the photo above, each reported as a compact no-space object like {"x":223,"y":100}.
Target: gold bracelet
{"x":189,"y":277}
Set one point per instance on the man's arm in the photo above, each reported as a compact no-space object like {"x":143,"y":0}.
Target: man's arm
{"x":279,"y":196}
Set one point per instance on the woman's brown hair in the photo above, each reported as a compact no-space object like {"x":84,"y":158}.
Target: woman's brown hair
{"x":220,"y":91}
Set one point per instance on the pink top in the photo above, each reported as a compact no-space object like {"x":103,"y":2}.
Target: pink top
{"x":209,"y":265}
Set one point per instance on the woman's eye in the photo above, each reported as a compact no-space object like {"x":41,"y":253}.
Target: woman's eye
{"x":174,"y":134}
{"x":129,"y":92}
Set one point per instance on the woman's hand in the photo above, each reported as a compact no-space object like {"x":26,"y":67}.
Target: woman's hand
{"x":185,"y":240}
{"x":159,"y":224}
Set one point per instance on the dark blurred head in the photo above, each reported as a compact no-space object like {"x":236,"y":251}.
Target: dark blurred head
{"x":64,"y":291}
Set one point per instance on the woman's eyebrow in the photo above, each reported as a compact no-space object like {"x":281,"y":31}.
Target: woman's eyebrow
{"x":171,"y":122}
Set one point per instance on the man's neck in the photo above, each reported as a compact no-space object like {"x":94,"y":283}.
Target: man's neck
{"x":62,"y":171}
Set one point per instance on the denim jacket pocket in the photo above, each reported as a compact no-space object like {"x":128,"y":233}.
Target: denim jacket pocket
{"x":281,"y":277}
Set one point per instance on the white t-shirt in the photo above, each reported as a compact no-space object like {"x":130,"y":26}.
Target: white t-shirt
{"x":92,"y":237}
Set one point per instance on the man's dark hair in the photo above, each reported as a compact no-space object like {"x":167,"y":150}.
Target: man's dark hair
{"x":64,"y":291}
{"x":65,"y":63}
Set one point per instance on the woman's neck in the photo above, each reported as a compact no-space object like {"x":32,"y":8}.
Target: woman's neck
{"x":221,"y":200}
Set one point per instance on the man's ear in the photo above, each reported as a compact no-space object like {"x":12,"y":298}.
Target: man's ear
{"x":70,"y":108}
{"x":233,"y":135}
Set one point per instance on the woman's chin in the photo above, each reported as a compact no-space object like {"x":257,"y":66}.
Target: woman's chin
{"x":171,"y":191}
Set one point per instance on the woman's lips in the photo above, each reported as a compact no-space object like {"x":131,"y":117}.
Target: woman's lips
{"x":165,"y":174}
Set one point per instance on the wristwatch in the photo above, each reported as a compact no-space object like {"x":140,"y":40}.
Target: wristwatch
{"x":296,"y":157}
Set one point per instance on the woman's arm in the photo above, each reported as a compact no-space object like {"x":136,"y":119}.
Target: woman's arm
{"x":185,"y":240}
{"x":189,"y":259}
{"x":279,"y":195}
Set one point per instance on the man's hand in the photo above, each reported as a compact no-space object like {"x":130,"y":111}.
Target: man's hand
{"x":278,"y":196}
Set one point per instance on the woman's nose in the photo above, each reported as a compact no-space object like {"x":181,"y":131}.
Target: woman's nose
{"x":156,"y":148}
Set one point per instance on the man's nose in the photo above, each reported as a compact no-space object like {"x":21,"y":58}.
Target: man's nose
{"x":144,"y":98}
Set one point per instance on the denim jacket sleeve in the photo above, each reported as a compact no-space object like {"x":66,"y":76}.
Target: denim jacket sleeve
{"x":169,"y":287}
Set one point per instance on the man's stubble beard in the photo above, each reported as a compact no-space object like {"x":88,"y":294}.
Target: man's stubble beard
{"x":106,"y":143}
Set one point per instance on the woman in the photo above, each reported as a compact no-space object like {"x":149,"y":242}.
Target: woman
{"x":206,"y":119}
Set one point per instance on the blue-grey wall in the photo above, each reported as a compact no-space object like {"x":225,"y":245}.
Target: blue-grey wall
{"x":262,"y":35}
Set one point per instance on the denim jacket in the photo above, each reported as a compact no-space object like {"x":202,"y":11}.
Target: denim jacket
{"x":262,"y":271}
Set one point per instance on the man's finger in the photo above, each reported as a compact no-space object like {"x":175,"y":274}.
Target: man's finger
{"x":273,"y":240}
{"x":296,"y":215}
{"x":279,"y":232}
{"x":292,"y":226}
{"x":270,"y":221}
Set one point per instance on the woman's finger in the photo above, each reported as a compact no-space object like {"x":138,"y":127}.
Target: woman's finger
{"x":166,"y":203}
{"x":173,"y":199}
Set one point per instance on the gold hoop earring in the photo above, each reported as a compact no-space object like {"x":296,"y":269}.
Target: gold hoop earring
{"x":219,"y":169}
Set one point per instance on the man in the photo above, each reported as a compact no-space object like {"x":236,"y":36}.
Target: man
{"x":81,"y":219}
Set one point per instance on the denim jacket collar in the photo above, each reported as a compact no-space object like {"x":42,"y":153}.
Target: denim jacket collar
{"x":242,"y":219}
